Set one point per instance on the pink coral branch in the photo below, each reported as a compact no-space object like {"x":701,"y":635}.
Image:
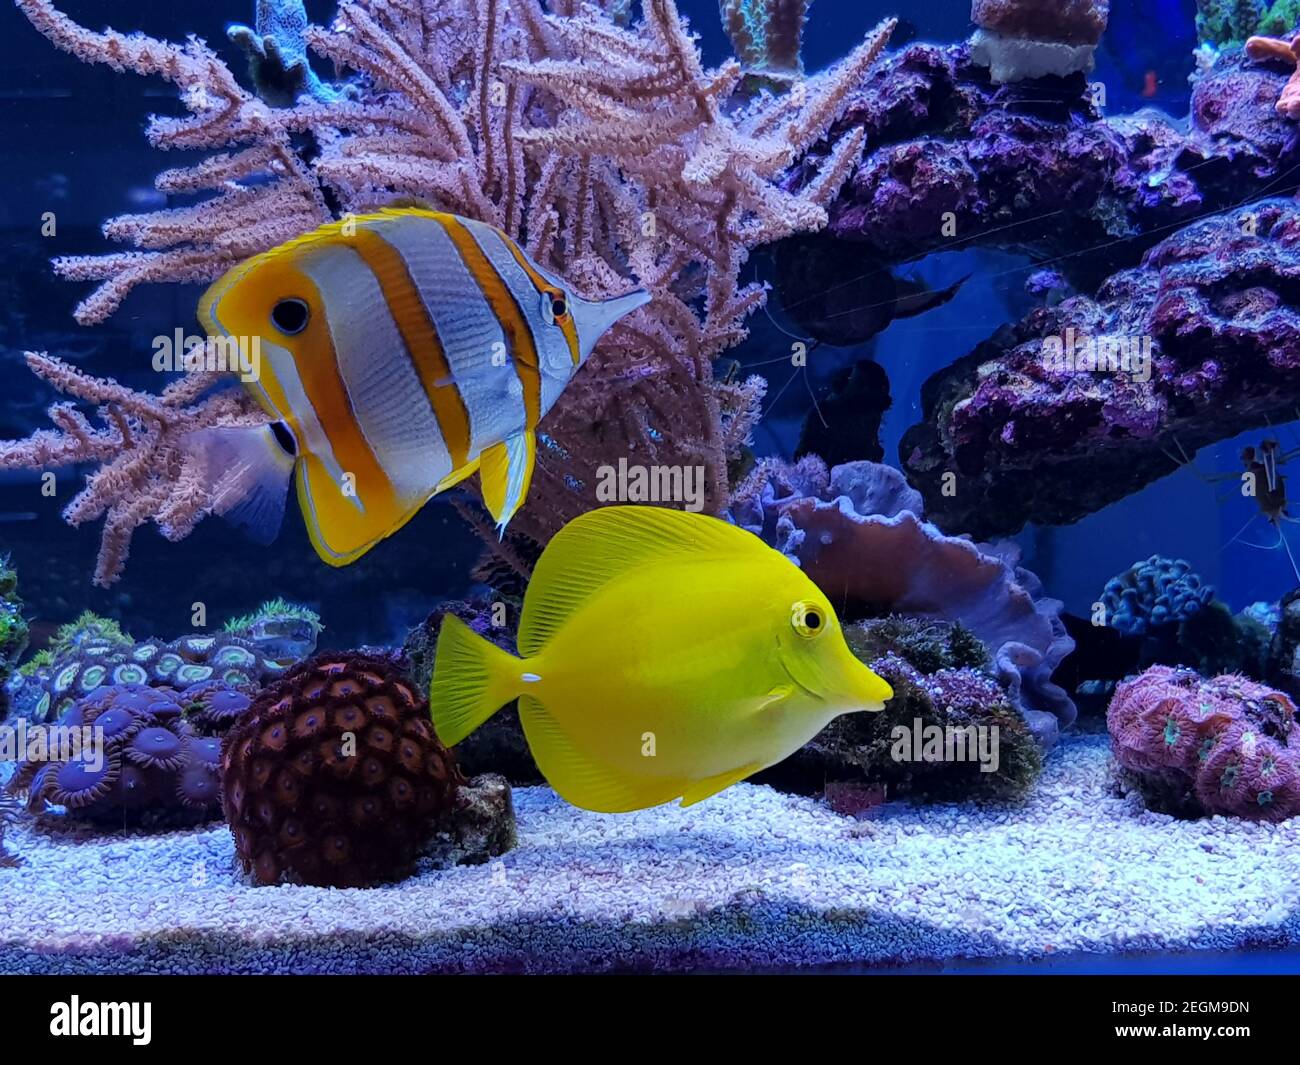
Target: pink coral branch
{"x":149,"y":467}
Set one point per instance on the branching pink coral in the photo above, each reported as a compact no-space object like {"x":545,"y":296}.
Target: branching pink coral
{"x":199,"y":242}
{"x":601,"y":144}
{"x":148,"y":470}
{"x":1230,"y":742}
{"x":1288,"y":52}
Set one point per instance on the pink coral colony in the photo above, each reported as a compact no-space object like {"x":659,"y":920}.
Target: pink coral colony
{"x":606,"y":149}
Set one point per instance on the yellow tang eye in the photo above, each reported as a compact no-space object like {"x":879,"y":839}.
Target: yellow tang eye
{"x":808,"y":619}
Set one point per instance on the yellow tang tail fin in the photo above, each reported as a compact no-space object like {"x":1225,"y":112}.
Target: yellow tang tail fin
{"x":472,"y":679}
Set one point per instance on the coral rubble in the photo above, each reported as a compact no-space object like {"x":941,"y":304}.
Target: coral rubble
{"x":859,"y":532}
{"x":1195,"y":746}
{"x":1210,"y":328}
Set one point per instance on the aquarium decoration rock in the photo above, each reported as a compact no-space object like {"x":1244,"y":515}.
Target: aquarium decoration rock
{"x":1221,"y":23}
{"x":1153,"y":594}
{"x":1021,"y":39}
{"x":1193,"y":746}
{"x":1036,"y":439}
{"x":156,"y":766}
{"x":859,"y":531}
{"x":334,"y":776}
{"x":943,"y":144}
{"x":844,"y":425}
{"x":1287,"y":53}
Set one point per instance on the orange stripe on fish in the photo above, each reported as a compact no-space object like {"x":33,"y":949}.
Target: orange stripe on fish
{"x":523,"y":348}
{"x":567,"y":324}
{"x":423,"y":345}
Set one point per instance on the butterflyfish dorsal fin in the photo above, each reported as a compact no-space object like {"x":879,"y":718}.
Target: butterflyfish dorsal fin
{"x":601,"y":545}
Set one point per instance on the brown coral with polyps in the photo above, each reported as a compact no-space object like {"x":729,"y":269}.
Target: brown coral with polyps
{"x":333,"y":777}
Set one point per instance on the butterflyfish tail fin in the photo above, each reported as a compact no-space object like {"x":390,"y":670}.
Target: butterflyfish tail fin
{"x":472,"y":679}
{"x":250,"y":473}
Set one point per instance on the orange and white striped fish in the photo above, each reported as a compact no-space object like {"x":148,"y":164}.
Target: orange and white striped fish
{"x":398,"y":353}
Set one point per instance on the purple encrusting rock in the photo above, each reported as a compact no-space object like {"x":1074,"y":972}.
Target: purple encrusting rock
{"x":859,"y":531}
{"x":1034,"y":168}
{"x":1032,"y":440}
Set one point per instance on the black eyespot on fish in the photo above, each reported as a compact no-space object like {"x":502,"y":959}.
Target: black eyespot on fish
{"x":807,"y":619}
{"x":559,"y":307}
{"x":290,"y":316}
{"x":813,"y":620}
{"x":284,"y":437}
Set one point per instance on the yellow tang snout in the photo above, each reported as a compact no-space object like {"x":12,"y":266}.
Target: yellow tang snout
{"x":813,"y":652}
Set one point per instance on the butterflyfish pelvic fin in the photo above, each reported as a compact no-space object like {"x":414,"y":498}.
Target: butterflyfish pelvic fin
{"x":472,"y":679}
{"x":456,"y":476}
{"x":505,"y":472}
{"x":253,"y":482}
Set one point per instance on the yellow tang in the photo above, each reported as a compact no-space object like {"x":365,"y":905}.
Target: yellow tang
{"x":665,"y":655}
{"x":398,"y":353}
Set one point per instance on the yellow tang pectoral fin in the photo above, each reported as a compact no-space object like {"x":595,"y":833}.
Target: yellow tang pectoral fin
{"x":581,"y":779}
{"x":505,"y":472}
{"x":346,"y":519}
{"x":703,"y":789}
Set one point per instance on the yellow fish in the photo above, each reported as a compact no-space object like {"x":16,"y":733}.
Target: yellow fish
{"x":665,"y":655}
{"x":398,"y":352}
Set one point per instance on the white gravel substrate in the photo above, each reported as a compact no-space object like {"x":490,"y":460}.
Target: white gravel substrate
{"x":751,"y":878}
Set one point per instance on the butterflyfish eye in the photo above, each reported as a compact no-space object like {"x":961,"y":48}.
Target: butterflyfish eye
{"x":290,"y":316}
{"x":807,"y":619}
{"x":284,"y":437}
{"x":559,"y":307}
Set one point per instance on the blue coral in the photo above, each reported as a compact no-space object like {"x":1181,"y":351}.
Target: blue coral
{"x":276,"y":46}
{"x":1154,"y":594}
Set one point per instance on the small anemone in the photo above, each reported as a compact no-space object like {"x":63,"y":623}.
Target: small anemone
{"x":156,"y":748}
{"x":79,"y":784}
{"x":198,"y":785}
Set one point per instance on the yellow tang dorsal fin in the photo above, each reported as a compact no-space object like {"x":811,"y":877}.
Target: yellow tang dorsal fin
{"x":603,"y":544}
